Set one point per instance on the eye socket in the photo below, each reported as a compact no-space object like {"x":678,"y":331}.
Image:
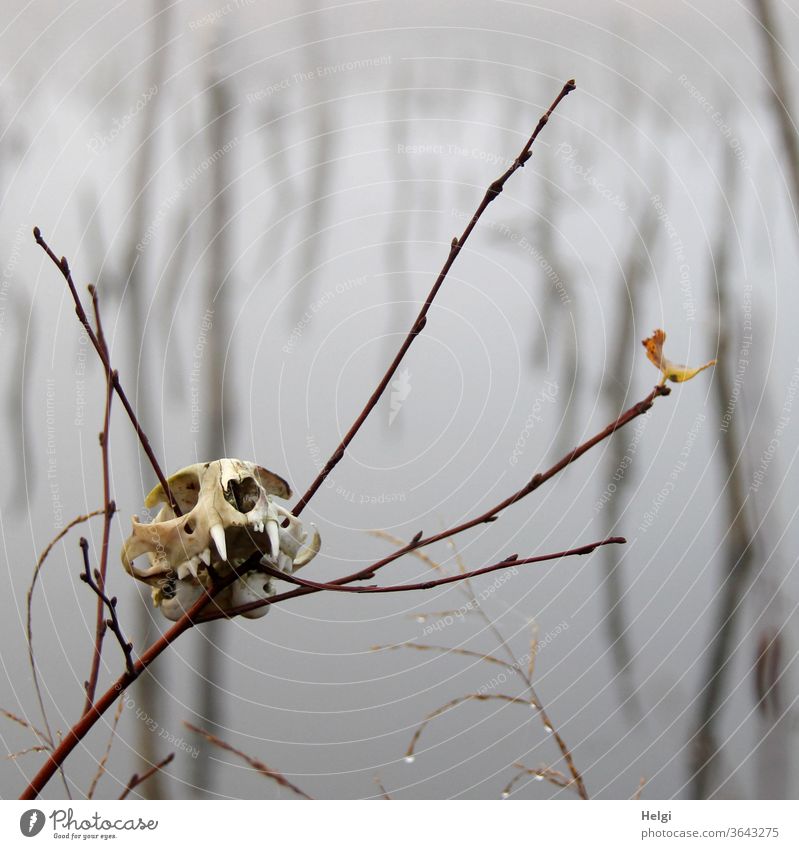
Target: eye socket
{"x":243,"y":494}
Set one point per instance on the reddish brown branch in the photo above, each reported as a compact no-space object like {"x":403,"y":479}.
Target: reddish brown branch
{"x":509,"y":562}
{"x":63,"y":267}
{"x":418,"y":325}
{"x":109,"y":508}
{"x":489,"y":515}
{"x":82,"y":727}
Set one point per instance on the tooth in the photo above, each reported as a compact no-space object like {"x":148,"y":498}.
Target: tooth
{"x":218,"y":536}
{"x":285,"y":564}
{"x":183,"y":570}
{"x":306,"y":555}
{"x":205,"y":556}
{"x":194,"y":564}
{"x":274,"y":538}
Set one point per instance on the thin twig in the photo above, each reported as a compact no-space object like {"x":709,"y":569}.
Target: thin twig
{"x":543,"y":773}
{"x":489,"y":515}
{"x":23,"y":722}
{"x":14,"y":755}
{"x":383,"y":792}
{"x":63,"y":267}
{"x":508,"y":563}
{"x":517,"y":666}
{"x":136,"y":779}
{"x":109,"y":508}
{"x":476,"y":697}
{"x":418,"y":325}
{"x":257,"y":765}
{"x":111,"y":604}
{"x":48,"y":738}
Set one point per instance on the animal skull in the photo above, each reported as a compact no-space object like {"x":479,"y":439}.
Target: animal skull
{"x":228,"y":515}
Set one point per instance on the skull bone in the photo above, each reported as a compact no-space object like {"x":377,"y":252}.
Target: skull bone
{"x":228,"y":515}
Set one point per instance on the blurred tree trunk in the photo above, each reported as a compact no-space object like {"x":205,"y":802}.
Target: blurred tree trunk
{"x":739,"y":550}
{"x":216,"y":416}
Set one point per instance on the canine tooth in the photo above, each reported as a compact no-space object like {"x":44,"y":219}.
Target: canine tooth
{"x":306,"y":554}
{"x":194,"y":565}
{"x":218,"y":536}
{"x":274,"y":537}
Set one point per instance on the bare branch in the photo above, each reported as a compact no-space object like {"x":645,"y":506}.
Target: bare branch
{"x":113,"y":622}
{"x":109,"y":508}
{"x":508,"y":563}
{"x":63,"y":267}
{"x":418,"y":325}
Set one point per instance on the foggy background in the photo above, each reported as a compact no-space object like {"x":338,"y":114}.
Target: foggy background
{"x":263,"y":194}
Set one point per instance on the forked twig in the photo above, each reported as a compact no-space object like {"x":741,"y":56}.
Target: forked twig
{"x":257,"y":765}
{"x":63,"y":266}
{"x":136,"y":779}
{"x":507,"y":563}
{"x":452,"y":703}
{"x":111,"y":604}
{"x":489,"y":515}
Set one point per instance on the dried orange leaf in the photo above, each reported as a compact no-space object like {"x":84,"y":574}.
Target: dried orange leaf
{"x":671,"y":371}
